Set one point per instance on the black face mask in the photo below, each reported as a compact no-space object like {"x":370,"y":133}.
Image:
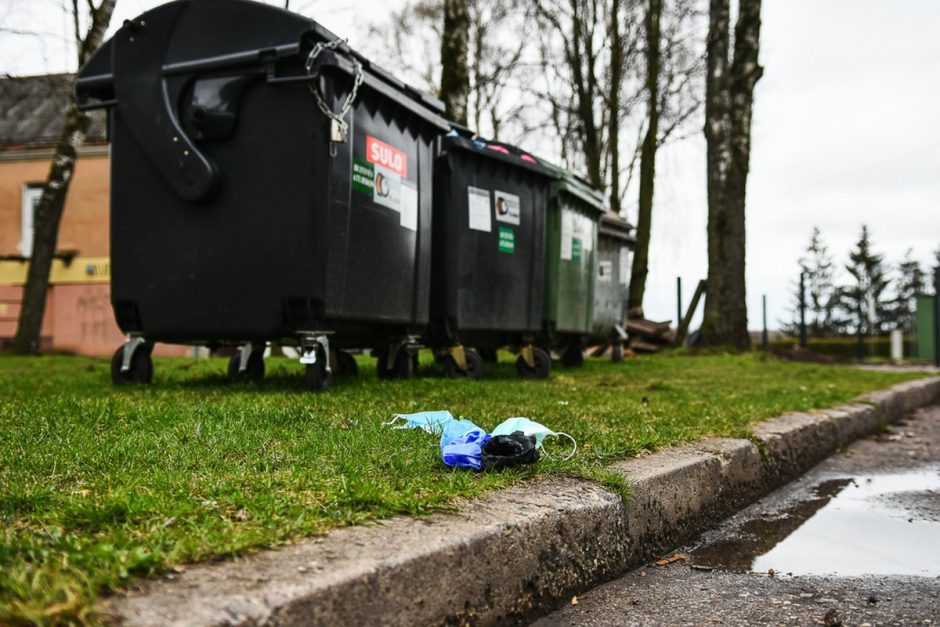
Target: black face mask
{"x":505,"y":451}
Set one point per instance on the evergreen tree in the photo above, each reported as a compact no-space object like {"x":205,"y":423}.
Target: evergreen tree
{"x":863,"y":305}
{"x":817,"y":268}
{"x":911,"y":282}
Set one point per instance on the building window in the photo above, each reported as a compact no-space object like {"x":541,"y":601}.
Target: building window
{"x":32,"y":195}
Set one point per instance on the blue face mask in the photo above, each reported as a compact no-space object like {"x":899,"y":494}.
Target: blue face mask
{"x":430,"y":421}
{"x":530,"y":427}
{"x":466,"y":449}
{"x":455,"y":429}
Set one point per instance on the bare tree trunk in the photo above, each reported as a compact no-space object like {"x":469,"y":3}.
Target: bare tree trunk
{"x":728,"y":111}
{"x":584,"y":83}
{"x":455,"y":77}
{"x":647,"y":157}
{"x":613,"y":104}
{"x":49,"y":213}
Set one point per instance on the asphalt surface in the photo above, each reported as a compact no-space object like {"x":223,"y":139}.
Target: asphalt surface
{"x":856,"y":541}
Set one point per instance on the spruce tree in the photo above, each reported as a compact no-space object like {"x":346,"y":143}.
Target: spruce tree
{"x":863,"y":305}
{"x":817,"y":268}
{"x":911,"y":282}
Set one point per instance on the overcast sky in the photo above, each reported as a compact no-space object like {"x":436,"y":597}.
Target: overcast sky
{"x":845,"y":132}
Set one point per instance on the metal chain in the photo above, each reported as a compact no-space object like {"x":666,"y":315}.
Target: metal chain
{"x":338,"y":118}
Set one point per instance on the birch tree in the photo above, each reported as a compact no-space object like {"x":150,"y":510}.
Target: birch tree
{"x":49,"y":212}
{"x":729,"y":102}
{"x":455,"y":76}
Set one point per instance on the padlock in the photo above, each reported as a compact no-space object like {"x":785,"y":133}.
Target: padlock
{"x":338,"y":132}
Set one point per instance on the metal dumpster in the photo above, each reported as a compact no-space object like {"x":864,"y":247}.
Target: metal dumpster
{"x":615,"y":245}
{"x":488,"y":255}
{"x":926,"y":328}
{"x":570,"y":265}
{"x":267,"y":184}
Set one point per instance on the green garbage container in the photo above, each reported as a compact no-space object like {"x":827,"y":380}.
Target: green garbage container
{"x":615,"y":244}
{"x":574,"y":209}
{"x":926,"y":328}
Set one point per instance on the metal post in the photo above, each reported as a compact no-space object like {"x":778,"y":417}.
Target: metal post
{"x":678,"y":301}
{"x":936,"y":316}
{"x":861,"y":329}
{"x":803,"y":342}
{"x":765,"y":339}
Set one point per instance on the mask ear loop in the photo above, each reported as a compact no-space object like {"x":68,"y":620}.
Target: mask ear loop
{"x":393,"y":420}
{"x":573,"y":441}
{"x":570,"y":455}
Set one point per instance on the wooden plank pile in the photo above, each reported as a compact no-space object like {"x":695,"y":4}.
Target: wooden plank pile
{"x":648,"y":336}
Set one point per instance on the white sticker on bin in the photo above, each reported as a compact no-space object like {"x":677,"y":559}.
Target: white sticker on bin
{"x":387,"y":188}
{"x":605,"y":271}
{"x":478,"y":204}
{"x":624,"y":265}
{"x":507,"y":207}
{"x":409,"y":206}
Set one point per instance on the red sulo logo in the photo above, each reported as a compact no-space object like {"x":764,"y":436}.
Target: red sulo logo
{"x":380,"y":153}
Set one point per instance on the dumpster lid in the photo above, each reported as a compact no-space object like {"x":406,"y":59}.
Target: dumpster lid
{"x":571,"y":183}
{"x":285,"y":35}
{"x":507,"y":153}
{"x":614,"y":226}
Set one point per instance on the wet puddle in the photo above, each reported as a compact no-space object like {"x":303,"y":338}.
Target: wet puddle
{"x":869,"y":525}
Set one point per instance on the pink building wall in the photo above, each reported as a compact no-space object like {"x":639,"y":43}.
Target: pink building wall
{"x":78,"y":319}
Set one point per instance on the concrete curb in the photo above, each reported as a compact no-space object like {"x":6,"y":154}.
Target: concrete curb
{"x":515,"y":552}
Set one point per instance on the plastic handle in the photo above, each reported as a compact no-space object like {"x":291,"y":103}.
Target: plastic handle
{"x":146,"y":104}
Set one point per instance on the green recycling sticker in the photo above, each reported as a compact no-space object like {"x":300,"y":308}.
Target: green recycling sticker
{"x":507,"y":240}
{"x":575,"y":249}
{"x":363,"y":175}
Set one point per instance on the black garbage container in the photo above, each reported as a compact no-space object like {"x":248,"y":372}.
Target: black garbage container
{"x":488,"y":265}
{"x":267,"y":184}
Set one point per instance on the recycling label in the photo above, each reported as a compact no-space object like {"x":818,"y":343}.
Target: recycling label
{"x":507,"y":207}
{"x":577,"y":235}
{"x":605,"y":271}
{"x":507,"y":240}
{"x":382,"y":176}
{"x":363,"y":175}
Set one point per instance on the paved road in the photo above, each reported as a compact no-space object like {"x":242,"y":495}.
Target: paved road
{"x":856,"y":541}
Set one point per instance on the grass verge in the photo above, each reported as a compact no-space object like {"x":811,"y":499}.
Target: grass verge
{"x":100,"y":484}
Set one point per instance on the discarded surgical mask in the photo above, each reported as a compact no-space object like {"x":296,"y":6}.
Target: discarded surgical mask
{"x":466,"y":450}
{"x":454,"y":429}
{"x":430,"y":421}
{"x":539,"y":431}
{"x":506,"y":451}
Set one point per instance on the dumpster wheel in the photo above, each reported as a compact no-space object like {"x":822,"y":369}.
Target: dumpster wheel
{"x":346,"y":365}
{"x":254,"y":364}
{"x":540,"y":368}
{"x":616,"y":352}
{"x":137,"y":368}
{"x":473,"y":371}
{"x":316,"y":378}
{"x":402,"y":368}
{"x":573,"y":356}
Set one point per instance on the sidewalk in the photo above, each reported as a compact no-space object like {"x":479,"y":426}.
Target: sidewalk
{"x":517,"y":553}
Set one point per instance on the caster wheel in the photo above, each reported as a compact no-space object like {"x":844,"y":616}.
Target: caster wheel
{"x":403,"y":368}
{"x":542,"y":368}
{"x":316,"y":379}
{"x":345,"y":365}
{"x":474,"y":371}
{"x":573,"y":357}
{"x":141,"y":370}
{"x":254,"y":369}
{"x":616,"y":353}
{"x":489,"y":355}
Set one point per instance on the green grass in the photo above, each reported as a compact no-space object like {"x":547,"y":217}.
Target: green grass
{"x":99,"y":484}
